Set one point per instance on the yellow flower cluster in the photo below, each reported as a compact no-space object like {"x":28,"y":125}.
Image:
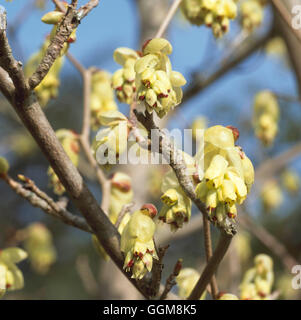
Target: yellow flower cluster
{"x":69,"y":141}
{"x":228,"y":174}
{"x":123,"y":80}
{"x":102,"y":96}
{"x":291,"y":181}
{"x":11,"y":277}
{"x":137,"y":242}
{"x":40,"y":248}
{"x":109,"y":143}
{"x":186,"y":280}
{"x":176,"y":208}
{"x":215,"y":14}
{"x":265,"y":116}
{"x":258,"y":281}
{"x":252,"y":12}
{"x":271,"y":195}
{"x":158,"y":86}
{"x":4,"y":165}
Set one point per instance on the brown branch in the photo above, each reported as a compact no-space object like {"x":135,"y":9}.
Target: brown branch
{"x":125,"y":209}
{"x":245,"y":51}
{"x":271,"y":166}
{"x":157,"y":271}
{"x":171,"y":12}
{"x":8,"y":62}
{"x":286,"y":16}
{"x":85,"y":9}
{"x":268,"y":240}
{"x":39,"y":199}
{"x":171,"y":280}
{"x":211,"y":267}
{"x":175,"y":159}
{"x":208,"y":250}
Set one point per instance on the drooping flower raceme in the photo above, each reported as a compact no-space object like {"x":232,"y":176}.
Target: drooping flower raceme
{"x":137,"y":242}
{"x":40,"y":248}
{"x":123,"y":80}
{"x":111,"y":142}
{"x":265,"y":117}
{"x":11,"y":277}
{"x":176,"y":208}
{"x":158,"y":86}
{"x":69,"y":141}
{"x":102,"y":97}
{"x":215,"y":14}
{"x":252,"y":13}
{"x":228,"y":174}
{"x":258,"y":281}
{"x":186,"y":281}
{"x":271,"y":195}
{"x":291,"y":181}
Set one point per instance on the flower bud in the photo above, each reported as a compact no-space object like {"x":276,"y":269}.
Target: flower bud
{"x":52,"y":17}
{"x":4,"y":166}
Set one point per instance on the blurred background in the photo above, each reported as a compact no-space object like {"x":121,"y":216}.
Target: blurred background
{"x":77,"y":271}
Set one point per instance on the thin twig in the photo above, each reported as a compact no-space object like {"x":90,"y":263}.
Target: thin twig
{"x":211,"y":267}
{"x":157,"y":271}
{"x":125,"y":209}
{"x":168,"y":18}
{"x":171,"y":280}
{"x":208,"y":251}
{"x":39,"y":199}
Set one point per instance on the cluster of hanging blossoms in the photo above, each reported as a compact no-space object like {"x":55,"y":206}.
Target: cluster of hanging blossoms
{"x":11,"y":277}
{"x":258,"y":281}
{"x":150,"y":76}
{"x":137,"y":242}
{"x":215,"y":14}
{"x":48,"y":88}
{"x":252,"y":13}
{"x":69,"y":141}
{"x":265,"y":116}
{"x":176,"y":208}
{"x":39,"y":246}
{"x":123,"y":80}
{"x":102,"y":97}
{"x":227,"y":176}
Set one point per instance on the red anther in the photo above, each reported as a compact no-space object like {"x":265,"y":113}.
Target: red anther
{"x":235,"y":132}
{"x":130,"y":264}
{"x":140,"y":255}
{"x":145,"y":44}
{"x":262,"y":294}
{"x":214,"y":218}
{"x":141,"y":98}
{"x":119,"y":88}
{"x":162,"y":95}
{"x":8,"y":286}
{"x":231,"y":215}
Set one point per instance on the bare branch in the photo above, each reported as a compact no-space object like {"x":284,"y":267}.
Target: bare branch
{"x":8,"y":62}
{"x":125,"y":209}
{"x":208,"y":250}
{"x":245,"y":51}
{"x":39,"y":199}
{"x":171,"y":280}
{"x":85,"y":9}
{"x":270,"y":241}
{"x":286,"y":16}
{"x":168,"y":18}
{"x":211,"y":267}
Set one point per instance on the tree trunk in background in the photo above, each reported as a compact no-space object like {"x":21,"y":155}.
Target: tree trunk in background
{"x":151,"y":14}
{"x":293,"y":44}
